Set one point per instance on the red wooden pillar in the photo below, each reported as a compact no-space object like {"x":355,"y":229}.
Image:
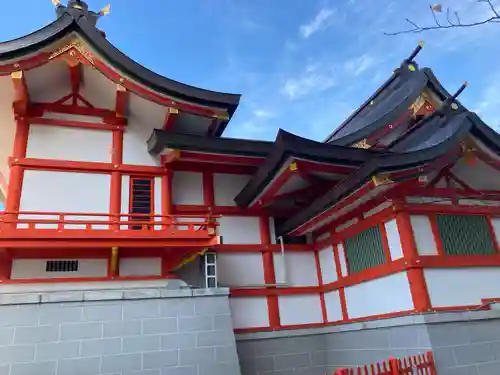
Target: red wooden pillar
{"x":320,"y":283}
{"x":16,"y":176}
{"x":269,"y":274}
{"x":5,"y":265}
{"x":418,"y":285}
{"x":116,"y":178}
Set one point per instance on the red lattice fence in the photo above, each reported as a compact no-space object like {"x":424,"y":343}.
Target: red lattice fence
{"x":421,"y":364}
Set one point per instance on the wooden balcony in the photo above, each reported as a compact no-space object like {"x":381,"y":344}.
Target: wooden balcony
{"x":60,"y":229}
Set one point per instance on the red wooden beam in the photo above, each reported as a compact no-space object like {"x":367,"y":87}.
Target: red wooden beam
{"x":21,"y":95}
{"x":324,"y":168}
{"x":37,"y":109}
{"x":121,"y":107}
{"x":274,"y":186}
{"x":220,"y":158}
{"x":170,"y":118}
{"x":73,"y":124}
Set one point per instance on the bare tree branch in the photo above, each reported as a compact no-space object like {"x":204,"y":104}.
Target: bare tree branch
{"x":450,"y":23}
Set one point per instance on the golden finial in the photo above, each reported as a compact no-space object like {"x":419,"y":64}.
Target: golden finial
{"x":56,"y":2}
{"x":105,"y":11}
{"x":421,"y":43}
{"x":466,"y":83}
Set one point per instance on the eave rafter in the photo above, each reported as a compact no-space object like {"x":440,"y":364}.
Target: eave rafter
{"x":21,"y":95}
{"x":171,"y":117}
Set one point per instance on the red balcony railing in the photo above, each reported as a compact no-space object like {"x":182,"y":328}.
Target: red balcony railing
{"x":68,"y":224}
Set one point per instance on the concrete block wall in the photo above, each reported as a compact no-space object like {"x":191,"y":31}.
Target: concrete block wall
{"x":135,"y":332}
{"x":462,"y":343}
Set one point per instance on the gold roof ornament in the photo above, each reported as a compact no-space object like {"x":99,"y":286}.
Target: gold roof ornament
{"x":106,"y":10}
{"x":56,"y":2}
{"x":383,"y":179}
{"x":362,"y":144}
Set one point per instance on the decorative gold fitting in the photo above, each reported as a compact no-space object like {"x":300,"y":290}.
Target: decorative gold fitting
{"x":381,"y":180}
{"x":421,"y":43}
{"x":293,"y":167}
{"x":362,"y":144}
{"x":172,"y":111}
{"x":17,"y":75}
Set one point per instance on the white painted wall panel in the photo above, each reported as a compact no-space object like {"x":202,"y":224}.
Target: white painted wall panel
{"x":227,"y":186}
{"x":380,"y":296}
{"x":157,"y":197}
{"x":393,"y":239}
{"x":35,"y":269}
{"x":240,"y":269}
{"x":68,"y":143}
{"x":422,"y":230}
{"x":135,"y":149}
{"x":248,"y":312}
{"x":187,"y":188}
{"x":300,"y":268}
{"x":327,"y":264}
{"x":140,"y":266}
{"x":300,"y":309}
{"x":462,"y":286}
{"x":240,"y":230}
{"x":343,"y":264}
{"x":48,"y":191}
{"x":272,"y":231}
{"x":495,"y":223}
{"x":125,"y":195}
{"x":333,"y":307}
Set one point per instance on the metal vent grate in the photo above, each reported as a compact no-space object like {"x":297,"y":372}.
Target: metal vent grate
{"x":61,"y":266}
{"x":364,"y":250}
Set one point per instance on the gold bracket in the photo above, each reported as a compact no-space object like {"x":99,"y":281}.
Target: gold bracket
{"x":381,"y":180}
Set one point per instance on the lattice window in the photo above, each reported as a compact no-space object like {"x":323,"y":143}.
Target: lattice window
{"x":61,"y":266}
{"x":465,"y":235}
{"x":210,"y":260}
{"x":141,"y":199}
{"x":364,"y":250}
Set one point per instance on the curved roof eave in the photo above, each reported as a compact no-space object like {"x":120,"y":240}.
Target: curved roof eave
{"x":68,"y":23}
{"x":391,"y":162}
{"x":289,"y":145}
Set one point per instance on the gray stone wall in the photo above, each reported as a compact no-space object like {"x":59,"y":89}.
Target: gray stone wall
{"x":135,"y":332}
{"x":462,"y":343}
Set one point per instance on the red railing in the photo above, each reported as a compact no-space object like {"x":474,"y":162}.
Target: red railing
{"x":31,"y":222}
{"x":421,"y":364}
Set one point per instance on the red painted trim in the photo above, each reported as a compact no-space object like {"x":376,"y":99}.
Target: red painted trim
{"x":311,"y":166}
{"x":217,"y":210}
{"x":416,"y":278}
{"x":338,"y":267}
{"x":204,"y":158}
{"x":319,"y":325}
{"x":458,"y":261}
{"x":38,"y":109}
{"x":170,"y":119}
{"x":272,"y":189}
{"x":343,"y":203}
{"x":269,"y":274}
{"x":208,"y":190}
{"x":74,"y":124}
{"x":116,"y":177}
{"x":5,"y":265}
{"x":448,"y":209}
{"x":166,"y":193}
{"x":320,"y":282}
{"x":189,"y":166}
{"x":262,"y":248}
{"x":385,"y":242}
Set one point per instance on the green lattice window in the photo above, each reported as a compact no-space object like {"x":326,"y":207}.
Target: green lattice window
{"x":364,"y":250}
{"x":465,"y":235}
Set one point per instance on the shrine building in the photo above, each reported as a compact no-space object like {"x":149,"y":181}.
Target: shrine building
{"x":137,"y":240}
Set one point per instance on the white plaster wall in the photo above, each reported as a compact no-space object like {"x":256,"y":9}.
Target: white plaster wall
{"x":248,"y":312}
{"x":187,"y":188}
{"x":227,"y":186}
{"x":68,"y":143}
{"x":272,"y":231}
{"x":140,"y":266}
{"x":380,"y":296}
{"x":46,"y":191}
{"x":422,"y":231}
{"x":157,"y":197}
{"x":393,"y":239}
{"x":300,"y":268}
{"x":35,"y":269}
{"x":240,"y":230}
{"x":240,"y":269}
{"x":462,"y":286}
{"x":300,"y":309}
{"x":327,"y":265}
{"x":495,"y":223}
{"x":125,"y":195}
{"x":333,"y":307}
{"x":135,"y":150}
{"x":343,"y":264}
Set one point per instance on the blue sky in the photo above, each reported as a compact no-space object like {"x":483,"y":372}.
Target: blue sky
{"x":301,"y":65}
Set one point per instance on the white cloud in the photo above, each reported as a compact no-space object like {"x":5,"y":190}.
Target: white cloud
{"x":320,"y":22}
{"x":262,"y":113}
{"x":295,"y":88}
{"x":358,"y":65}
{"x":488,"y":105}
